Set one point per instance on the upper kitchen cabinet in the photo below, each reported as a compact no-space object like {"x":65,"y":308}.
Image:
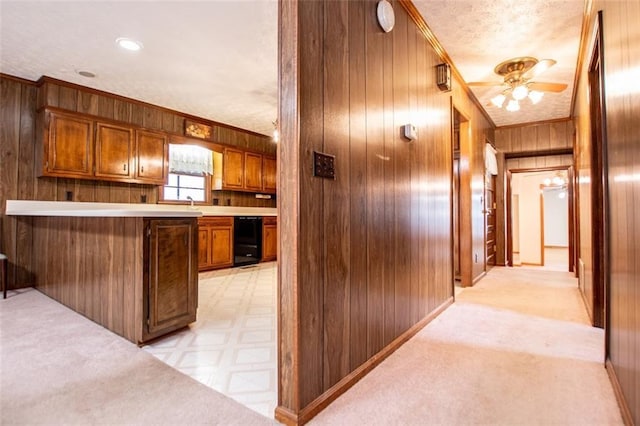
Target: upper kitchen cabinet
{"x":269,"y":175}
{"x":152,"y":157}
{"x":233,"y":169}
{"x":253,"y":171}
{"x":68,"y":146}
{"x":248,"y":171}
{"x":114,"y":149}
{"x":80,"y":146}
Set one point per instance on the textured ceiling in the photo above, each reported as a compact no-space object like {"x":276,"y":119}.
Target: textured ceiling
{"x":212,"y":59}
{"x":218,"y":59}
{"x":480,"y":34}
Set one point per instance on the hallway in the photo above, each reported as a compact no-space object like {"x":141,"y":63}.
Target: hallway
{"x":514,"y":349}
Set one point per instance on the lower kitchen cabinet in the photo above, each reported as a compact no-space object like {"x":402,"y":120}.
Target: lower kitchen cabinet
{"x":135,"y":276}
{"x":215,"y":243}
{"x":269,"y":238}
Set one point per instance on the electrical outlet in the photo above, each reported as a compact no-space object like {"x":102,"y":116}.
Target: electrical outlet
{"x":324,"y":165}
{"x":69,"y":196}
{"x":143,"y":198}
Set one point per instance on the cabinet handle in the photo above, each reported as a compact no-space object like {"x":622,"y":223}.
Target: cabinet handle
{"x":124,"y":167}
{"x":141,"y":169}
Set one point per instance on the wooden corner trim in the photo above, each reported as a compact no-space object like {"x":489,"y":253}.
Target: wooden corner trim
{"x":17,"y":79}
{"x":316,"y":406}
{"x":617,"y":390}
{"x":46,"y":79}
{"x":539,"y":153}
{"x":534,"y":123}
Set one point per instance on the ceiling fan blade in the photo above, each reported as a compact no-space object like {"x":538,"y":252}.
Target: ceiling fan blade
{"x":546,"y":87}
{"x":539,"y":68}
{"x":485,"y":83}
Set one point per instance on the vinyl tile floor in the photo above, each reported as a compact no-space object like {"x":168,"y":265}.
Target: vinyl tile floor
{"x":232,"y":345}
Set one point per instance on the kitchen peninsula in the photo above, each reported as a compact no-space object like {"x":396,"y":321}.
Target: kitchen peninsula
{"x":132,"y":268}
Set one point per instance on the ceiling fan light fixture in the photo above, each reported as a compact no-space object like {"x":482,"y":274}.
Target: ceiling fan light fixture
{"x":520,"y":92}
{"x":513,"y":106}
{"x":498,"y":100}
{"x":535,"y":96}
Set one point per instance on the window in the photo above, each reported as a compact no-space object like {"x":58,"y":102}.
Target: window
{"x":180,"y":186}
{"x":190,"y":170}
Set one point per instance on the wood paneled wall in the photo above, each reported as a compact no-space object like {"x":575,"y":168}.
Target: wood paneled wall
{"x":20,"y":101}
{"x":621,"y":35}
{"x":365,"y":259}
{"x":531,"y":138}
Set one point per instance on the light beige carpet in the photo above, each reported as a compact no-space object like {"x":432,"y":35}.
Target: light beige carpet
{"x":516,"y":349}
{"x":57,"y":367}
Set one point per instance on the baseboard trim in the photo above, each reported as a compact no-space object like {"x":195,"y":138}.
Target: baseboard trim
{"x":478,"y":278}
{"x":617,"y":390}
{"x":286,"y":416}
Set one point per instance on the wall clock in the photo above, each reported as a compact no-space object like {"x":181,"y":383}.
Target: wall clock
{"x":386,"y":17}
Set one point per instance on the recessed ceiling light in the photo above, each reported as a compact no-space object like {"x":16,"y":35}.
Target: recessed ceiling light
{"x":129,"y":44}
{"x":87,"y":74}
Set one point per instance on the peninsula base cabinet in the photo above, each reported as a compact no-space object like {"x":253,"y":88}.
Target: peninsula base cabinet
{"x":135,"y":276}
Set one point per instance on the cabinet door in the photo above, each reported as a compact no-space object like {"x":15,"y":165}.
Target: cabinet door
{"x":222,"y":246}
{"x":171,"y":275}
{"x":233,"y":169}
{"x":69,"y":148}
{"x":269,"y":175}
{"x":269,"y":240}
{"x":204,"y":247}
{"x":114,"y":149}
{"x":253,"y":171}
{"x":152,"y":157}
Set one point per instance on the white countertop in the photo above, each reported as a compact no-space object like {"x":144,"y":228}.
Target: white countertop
{"x":82,"y":209}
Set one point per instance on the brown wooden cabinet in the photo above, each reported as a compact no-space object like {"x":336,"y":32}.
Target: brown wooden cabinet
{"x":171,"y":275}
{"x":269,"y":174}
{"x":233,"y":169}
{"x":152,"y":157}
{"x":215,"y":242}
{"x":252,"y":171}
{"x":79,"y":146}
{"x":269,"y":238}
{"x":68,"y":146}
{"x":139,"y":278}
{"x":113,"y":151}
{"x":248,"y":171}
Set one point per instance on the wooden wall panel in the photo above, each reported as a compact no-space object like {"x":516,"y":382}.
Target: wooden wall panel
{"x":21,"y":126}
{"x":365,"y":258}
{"x":74,"y":252}
{"x":621,"y":36}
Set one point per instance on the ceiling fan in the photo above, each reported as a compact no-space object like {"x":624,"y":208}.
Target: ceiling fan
{"x":518,"y":74}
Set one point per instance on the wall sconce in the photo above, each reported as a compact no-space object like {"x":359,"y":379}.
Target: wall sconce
{"x":443,"y":77}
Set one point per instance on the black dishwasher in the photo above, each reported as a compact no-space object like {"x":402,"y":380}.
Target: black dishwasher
{"x":247,"y":240}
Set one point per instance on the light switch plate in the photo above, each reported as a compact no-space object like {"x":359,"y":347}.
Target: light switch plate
{"x":324,"y":165}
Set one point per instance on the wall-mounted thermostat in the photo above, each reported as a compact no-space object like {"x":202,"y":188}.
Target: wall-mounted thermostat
{"x":410,"y":132}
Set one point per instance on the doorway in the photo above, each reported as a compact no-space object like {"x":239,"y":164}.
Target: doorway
{"x":540,"y":222}
{"x":461,"y":218}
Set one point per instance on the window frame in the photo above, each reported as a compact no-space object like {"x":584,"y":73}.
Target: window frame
{"x":208,"y":196}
